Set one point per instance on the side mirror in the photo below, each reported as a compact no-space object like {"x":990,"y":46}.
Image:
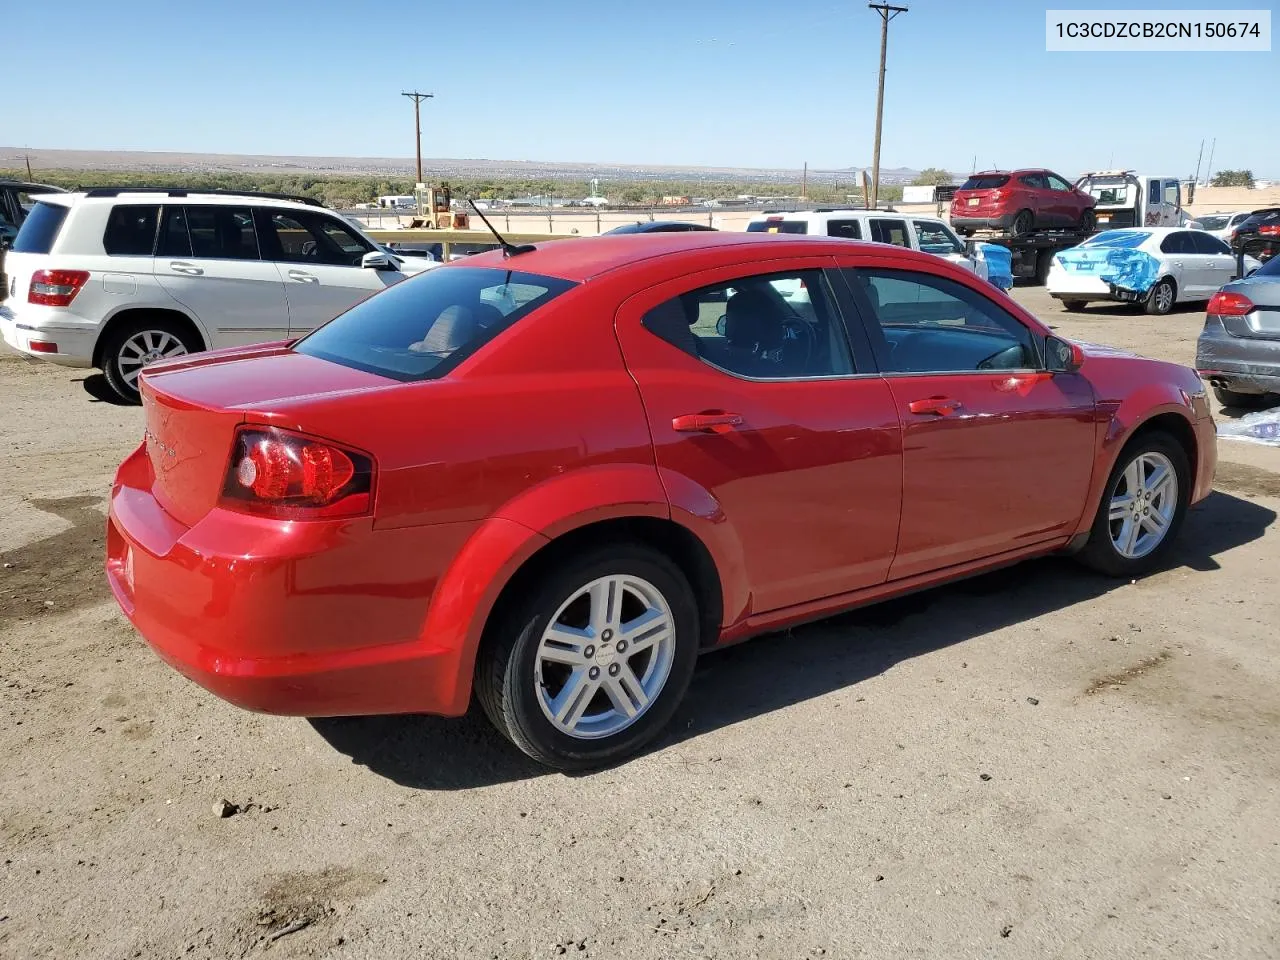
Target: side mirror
{"x":377,"y":260}
{"x":1061,"y":356}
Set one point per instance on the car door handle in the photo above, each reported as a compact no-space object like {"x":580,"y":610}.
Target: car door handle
{"x":181,"y":266}
{"x":943,"y":406}
{"x":303,"y":277}
{"x":706,"y":422}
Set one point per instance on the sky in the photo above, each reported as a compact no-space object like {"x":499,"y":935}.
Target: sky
{"x":740,"y":83}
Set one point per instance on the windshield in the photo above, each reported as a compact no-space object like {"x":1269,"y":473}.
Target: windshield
{"x":988,"y":181}
{"x":777,"y":226}
{"x":422,"y":328}
{"x":1213,"y":222}
{"x":1125,"y":239}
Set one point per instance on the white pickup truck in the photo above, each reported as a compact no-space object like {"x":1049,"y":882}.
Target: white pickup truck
{"x":1128,"y":199}
{"x":928,"y":234}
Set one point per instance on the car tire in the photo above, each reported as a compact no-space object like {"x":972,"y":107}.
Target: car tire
{"x":130,"y":347}
{"x":563,"y":706}
{"x":1023,"y":223}
{"x":1246,"y":401}
{"x":1074,"y":306}
{"x":1114,"y":547}
{"x":1160,"y":301}
{"x":1088,"y":222}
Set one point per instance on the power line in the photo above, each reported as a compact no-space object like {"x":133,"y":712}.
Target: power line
{"x":417,"y":99}
{"x":887,"y":12}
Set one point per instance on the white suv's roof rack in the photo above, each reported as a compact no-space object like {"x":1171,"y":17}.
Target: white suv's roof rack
{"x":195,"y":192}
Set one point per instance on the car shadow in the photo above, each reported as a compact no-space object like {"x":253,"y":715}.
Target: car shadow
{"x":99,"y":391}
{"x":778,"y":670}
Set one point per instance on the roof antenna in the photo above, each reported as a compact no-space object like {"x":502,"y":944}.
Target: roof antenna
{"x":508,"y":249}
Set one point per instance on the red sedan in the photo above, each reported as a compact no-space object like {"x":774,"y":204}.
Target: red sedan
{"x":550,"y":479}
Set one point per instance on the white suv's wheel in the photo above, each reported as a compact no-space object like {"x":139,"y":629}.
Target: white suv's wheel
{"x":591,"y":662}
{"x":130,"y":348}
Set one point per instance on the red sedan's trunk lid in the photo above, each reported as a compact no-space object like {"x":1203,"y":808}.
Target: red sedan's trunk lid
{"x":194,"y":404}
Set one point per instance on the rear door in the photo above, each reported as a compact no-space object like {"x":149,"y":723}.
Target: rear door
{"x":207,"y":259}
{"x":1190,"y":268}
{"x":997,"y":453}
{"x":766,"y":424}
{"x":890,"y":230}
{"x":317,"y":258}
{"x":1218,"y":265}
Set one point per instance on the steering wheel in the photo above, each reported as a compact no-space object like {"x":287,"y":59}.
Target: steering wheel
{"x":803,"y":332}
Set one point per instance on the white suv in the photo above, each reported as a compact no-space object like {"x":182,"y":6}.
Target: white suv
{"x":119,"y":278}
{"x":916,"y":233}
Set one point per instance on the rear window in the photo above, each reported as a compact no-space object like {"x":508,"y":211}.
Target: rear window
{"x":422,"y":328}
{"x":777,"y":226}
{"x":985,"y":182}
{"x":40,"y":228}
{"x":1213,"y":223}
{"x":1125,"y":239}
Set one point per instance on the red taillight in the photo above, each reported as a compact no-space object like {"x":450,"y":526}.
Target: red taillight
{"x":1224,"y":303}
{"x":295,"y":477}
{"x":1269,"y":230}
{"x":56,"y":288}
{"x":42,"y":346}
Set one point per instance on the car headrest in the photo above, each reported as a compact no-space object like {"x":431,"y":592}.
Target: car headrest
{"x":751,"y":319}
{"x":669,"y":321}
{"x":453,"y":328}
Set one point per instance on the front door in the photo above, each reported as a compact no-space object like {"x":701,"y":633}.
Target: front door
{"x":207,"y":259}
{"x":997,"y":454}
{"x":317,"y":258}
{"x":763,"y":420}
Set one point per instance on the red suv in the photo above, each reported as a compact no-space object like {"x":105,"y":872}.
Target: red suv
{"x":554,"y":478}
{"x":1020,"y":201}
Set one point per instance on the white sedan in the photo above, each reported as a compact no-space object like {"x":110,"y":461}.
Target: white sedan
{"x":1154,"y":266}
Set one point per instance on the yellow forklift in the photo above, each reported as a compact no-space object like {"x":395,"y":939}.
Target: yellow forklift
{"x":435,"y":209}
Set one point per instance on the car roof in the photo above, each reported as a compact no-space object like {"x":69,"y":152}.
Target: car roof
{"x":582,"y":258}
{"x":108,"y":195}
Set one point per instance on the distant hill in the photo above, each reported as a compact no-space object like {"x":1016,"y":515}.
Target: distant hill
{"x":435,"y":167}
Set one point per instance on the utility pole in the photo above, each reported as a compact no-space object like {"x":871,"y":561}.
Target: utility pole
{"x":1196,"y":179}
{"x":804,"y":183}
{"x":417,"y":99}
{"x":30,"y":176}
{"x":887,"y":12}
{"x":1208,"y":173}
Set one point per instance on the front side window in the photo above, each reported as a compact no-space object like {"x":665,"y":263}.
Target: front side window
{"x":131,"y":230}
{"x":1153,"y":192}
{"x":1171,"y":192}
{"x":300,"y":237}
{"x":849,"y":229}
{"x":890,"y":231}
{"x":1057,"y":183}
{"x":221,"y":233}
{"x":1207,"y":243}
{"x":779,"y":326}
{"x":422,"y":328}
{"x":934,"y":237}
{"x":927,"y":324}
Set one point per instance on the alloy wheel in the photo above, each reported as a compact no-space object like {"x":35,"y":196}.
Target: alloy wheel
{"x":144,"y":348}
{"x":604,"y":657}
{"x":1143,"y":502}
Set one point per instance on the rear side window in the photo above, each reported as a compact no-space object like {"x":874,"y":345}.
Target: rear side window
{"x":1181,"y":242}
{"x":985,"y":182}
{"x":890,"y":231}
{"x":777,"y":226}
{"x":131,"y":230}
{"x":850,"y":229}
{"x":422,"y":328}
{"x":40,"y":229}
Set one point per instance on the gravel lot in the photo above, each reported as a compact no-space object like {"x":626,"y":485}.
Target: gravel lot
{"x":1037,"y":763}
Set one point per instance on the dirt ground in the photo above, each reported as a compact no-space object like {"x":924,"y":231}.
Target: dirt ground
{"x":1037,"y":763}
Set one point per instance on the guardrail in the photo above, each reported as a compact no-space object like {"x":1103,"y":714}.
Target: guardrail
{"x":448,"y":238}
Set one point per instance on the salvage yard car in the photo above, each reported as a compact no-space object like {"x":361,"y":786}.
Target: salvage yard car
{"x":1156,"y":267}
{"x":119,"y":278}
{"x":1019,"y":201}
{"x":554,"y":475}
{"x":1238,"y":352}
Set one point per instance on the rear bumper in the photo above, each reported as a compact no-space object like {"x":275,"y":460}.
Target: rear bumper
{"x":1001,"y":222}
{"x":1242,"y":364}
{"x":319,"y":618}
{"x":1062,"y":285}
{"x":75,"y":341}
